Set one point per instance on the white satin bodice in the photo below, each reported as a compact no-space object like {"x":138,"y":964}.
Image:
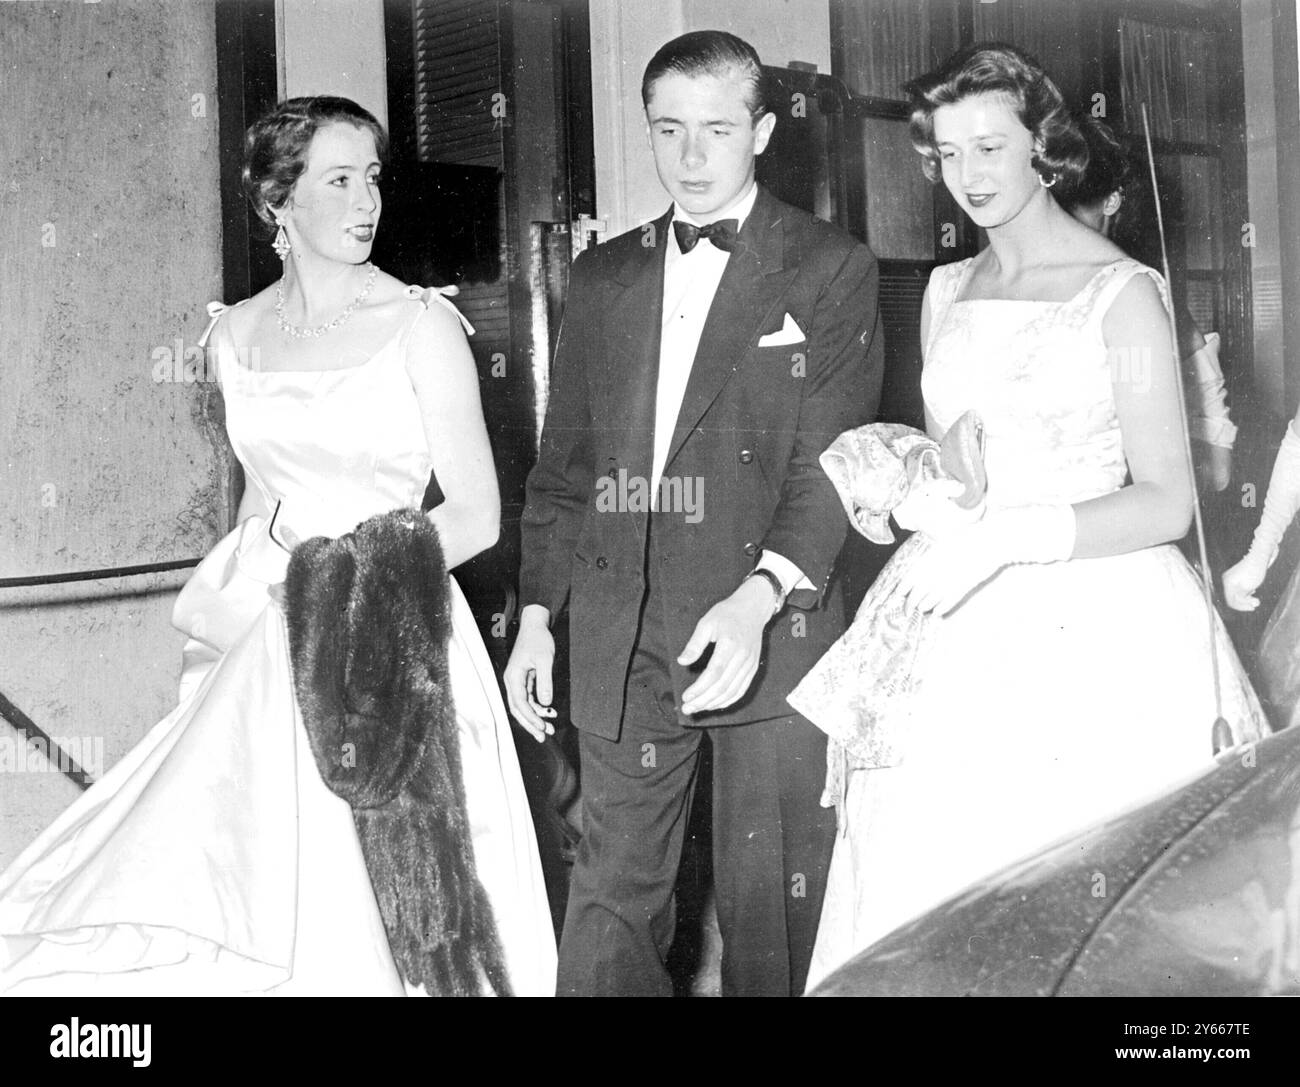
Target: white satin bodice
{"x":332,"y":447}
{"x":1040,"y":376}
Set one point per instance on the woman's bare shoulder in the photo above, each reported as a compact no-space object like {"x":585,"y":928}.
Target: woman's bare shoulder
{"x":388,"y":289}
{"x":1089,"y":250}
{"x":392,"y":301}
{"x":244,"y":318}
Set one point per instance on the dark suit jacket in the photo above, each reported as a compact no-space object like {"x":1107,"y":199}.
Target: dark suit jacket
{"x":753,"y":422}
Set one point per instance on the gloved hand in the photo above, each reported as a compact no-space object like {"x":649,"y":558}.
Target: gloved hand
{"x":1280,"y":505}
{"x":1241,"y":581}
{"x":965,"y":558}
{"x":930,"y":508}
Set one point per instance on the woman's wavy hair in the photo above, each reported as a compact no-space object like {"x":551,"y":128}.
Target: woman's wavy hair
{"x":275,"y":146}
{"x":996,"y":68}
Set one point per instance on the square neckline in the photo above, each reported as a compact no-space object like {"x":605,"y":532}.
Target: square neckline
{"x":970,"y":262}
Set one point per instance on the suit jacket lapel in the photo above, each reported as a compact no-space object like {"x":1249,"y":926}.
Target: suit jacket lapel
{"x":754,"y":280}
{"x":630,"y":388}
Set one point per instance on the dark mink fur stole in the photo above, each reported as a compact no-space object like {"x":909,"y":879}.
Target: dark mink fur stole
{"x":369,"y":618}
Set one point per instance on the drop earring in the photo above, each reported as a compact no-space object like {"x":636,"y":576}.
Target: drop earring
{"x":1036,"y":163}
{"x":281,"y":244}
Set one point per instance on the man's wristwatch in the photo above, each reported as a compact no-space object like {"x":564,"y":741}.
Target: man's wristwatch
{"x":778,"y":593}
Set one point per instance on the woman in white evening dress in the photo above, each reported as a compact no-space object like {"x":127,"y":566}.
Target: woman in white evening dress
{"x":1068,"y":675}
{"x":1114,"y":197}
{"x":212,"y":858}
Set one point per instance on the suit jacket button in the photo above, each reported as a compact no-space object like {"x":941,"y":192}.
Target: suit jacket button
{"x":746,"y":456}
{"x":751,"y":549}
{"x":601,"y":562}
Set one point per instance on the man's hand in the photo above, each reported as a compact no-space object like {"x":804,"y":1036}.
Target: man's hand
{"x":734,"y":627}
{"x":528,"y":673}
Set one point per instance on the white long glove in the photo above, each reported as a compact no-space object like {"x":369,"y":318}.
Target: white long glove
{"x":931,"y":508}
{"x":964,"y":558}
{"x":1280,"y":505}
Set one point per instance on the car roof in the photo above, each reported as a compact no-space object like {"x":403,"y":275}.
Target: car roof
{"x":1179,"y":895}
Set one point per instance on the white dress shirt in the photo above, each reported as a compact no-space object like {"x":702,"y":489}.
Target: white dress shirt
{"x":690,"y":282}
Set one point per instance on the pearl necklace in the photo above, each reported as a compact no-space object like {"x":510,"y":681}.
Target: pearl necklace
{"x":297,"y":333}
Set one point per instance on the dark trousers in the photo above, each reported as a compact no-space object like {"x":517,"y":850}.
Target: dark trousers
{"x":771,"y":843}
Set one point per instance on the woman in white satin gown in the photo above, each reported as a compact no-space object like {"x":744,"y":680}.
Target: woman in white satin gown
{"x":1068,"y":672}
{"x":212,"y":858}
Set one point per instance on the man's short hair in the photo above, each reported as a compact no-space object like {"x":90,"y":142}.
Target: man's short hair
{"x":709,"y":53}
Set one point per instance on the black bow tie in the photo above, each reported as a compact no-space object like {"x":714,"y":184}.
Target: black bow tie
{"x":722,"y":234}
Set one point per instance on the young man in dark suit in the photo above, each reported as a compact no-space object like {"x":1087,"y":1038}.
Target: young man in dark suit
{"x":679,"y":511}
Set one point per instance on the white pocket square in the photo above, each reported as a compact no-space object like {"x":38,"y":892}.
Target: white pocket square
{"x":789,"y":332}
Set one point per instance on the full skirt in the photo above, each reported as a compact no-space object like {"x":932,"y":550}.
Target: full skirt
{"x":212,"y":859}
{"x":1056,"y":696}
